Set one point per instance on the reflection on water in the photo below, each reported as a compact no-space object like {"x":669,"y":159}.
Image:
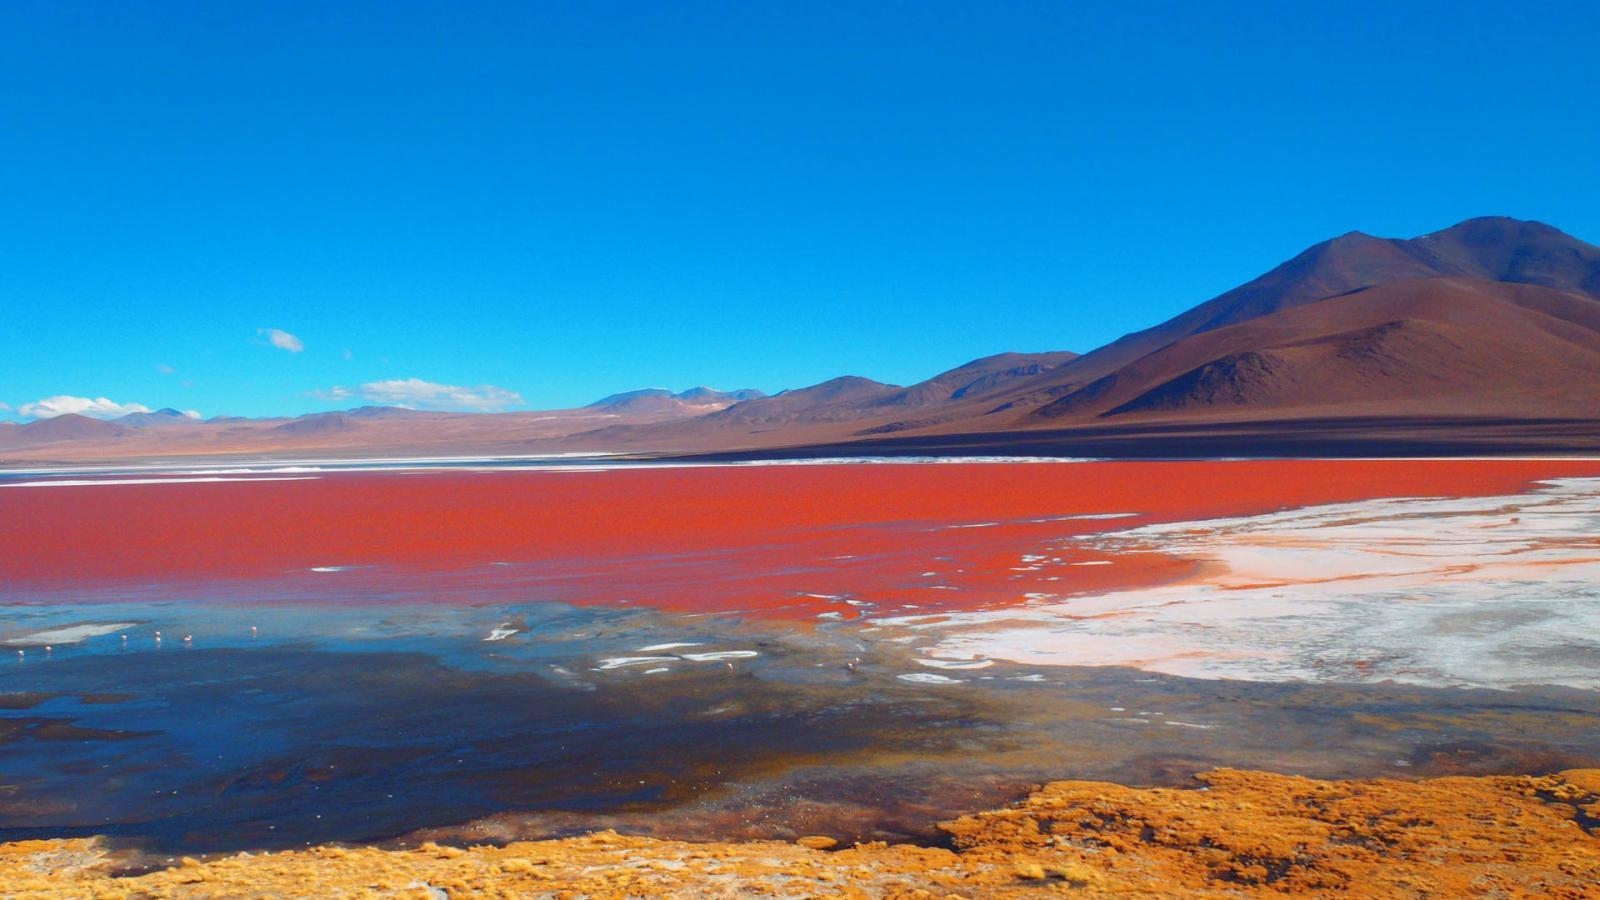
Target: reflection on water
{"x":255,"y":722}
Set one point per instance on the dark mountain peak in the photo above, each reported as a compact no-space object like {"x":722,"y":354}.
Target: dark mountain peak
{"x":1491,"y":248}
{"x":1497,"y":248}
{"x":164,"y":416}
{"x":383,"y":412}
{"x":1352,"y":261}
{"x":69,"y":427}
{"x":315,"y":423}
{"x":1350,"y":239}
{"x":703,"y":395}
{"x":625,"y":397}
{"x":831,"y":400}
{"x":834,"y":388}
{"x":977,"y":378}
{"x":660,"y":401}
{"x":1012,"y":358}
{"x":1494,"y":230}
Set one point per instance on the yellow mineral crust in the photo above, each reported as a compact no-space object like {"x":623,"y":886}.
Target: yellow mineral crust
{"x":1238,"y":834}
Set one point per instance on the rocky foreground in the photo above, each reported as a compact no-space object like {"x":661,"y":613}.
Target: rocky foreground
{"x":1236,"y":834}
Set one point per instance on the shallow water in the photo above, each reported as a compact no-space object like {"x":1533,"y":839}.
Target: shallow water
{"x":358,"y":702}
{"x":344,"y":721}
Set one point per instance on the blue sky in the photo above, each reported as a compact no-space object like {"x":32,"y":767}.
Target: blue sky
{"x":551,"y":202}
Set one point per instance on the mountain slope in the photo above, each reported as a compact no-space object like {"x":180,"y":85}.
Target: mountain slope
{"x":157,"y":419}
{"x":63,"y":428}
{"x":694,"y":401}
{"x":1492,"y":248}
{"x":1417,"y":347}
{"x":837,"y":399}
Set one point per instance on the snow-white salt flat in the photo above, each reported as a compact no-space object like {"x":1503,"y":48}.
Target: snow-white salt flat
{"x":1486,"y":592}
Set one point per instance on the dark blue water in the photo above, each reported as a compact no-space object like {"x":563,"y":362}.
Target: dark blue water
{"x":352,"y":718}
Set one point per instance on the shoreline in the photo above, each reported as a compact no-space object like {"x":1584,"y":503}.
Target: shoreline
{"x":1235,"y":833}
{"x":990,"y":542}
{"x":1424,"y":591}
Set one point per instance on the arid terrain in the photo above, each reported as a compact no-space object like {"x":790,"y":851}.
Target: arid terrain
{"x":1481,"y":338}
{"x":1234,"y":834}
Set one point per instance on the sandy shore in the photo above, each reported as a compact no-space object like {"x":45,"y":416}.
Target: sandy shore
{"x":1236,"y":834}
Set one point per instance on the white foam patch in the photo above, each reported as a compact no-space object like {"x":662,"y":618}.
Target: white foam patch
{"x":1472,"y":592}
{"x":101,"y":482}
{"x":955,"y":663}
{"x":67,"y":634}
{"x":501,"y":632}
{"x":929,"y":678}
{"x":623,"y":662}
{"x":1082,"y":517}
{"x":719,"y":656}
{"x":653,"y":648}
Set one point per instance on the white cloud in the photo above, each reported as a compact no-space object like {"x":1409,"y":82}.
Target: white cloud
{"x":5,"y":407}
{"x":98,"y":407}
{"x":165,"y":369}
{"x":191,"y":414}
{"x":281,"y":339}
{"x":414,"y":393}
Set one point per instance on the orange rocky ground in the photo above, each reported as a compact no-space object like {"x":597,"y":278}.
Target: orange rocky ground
{"x":1240,"y":834}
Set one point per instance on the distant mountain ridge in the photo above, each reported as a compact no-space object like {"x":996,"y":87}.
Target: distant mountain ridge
{"x":166,"y":416}
{"x":658,"y":399}
{"x":1490,"y":248}
{"x":1492,"y":320}
{"x":67,"y":427}
{"x":1397,"y":320}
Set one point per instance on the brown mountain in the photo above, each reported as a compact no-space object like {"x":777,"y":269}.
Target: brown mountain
{"x":978,"y":379}
{"x":838,"y":399}
{"x":1419,"y":346}
{"x":1483,"y":337}
{"x":1395,"y":326}
{"x":1482,"y":325}
{"x":158,"y":419}
{"x":659,"y":401}
{"x":1492,"y":249}
{"x":68,"y":427}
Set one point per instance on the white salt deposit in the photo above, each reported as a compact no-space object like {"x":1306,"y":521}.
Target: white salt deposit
{"x":1488,"y":592}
